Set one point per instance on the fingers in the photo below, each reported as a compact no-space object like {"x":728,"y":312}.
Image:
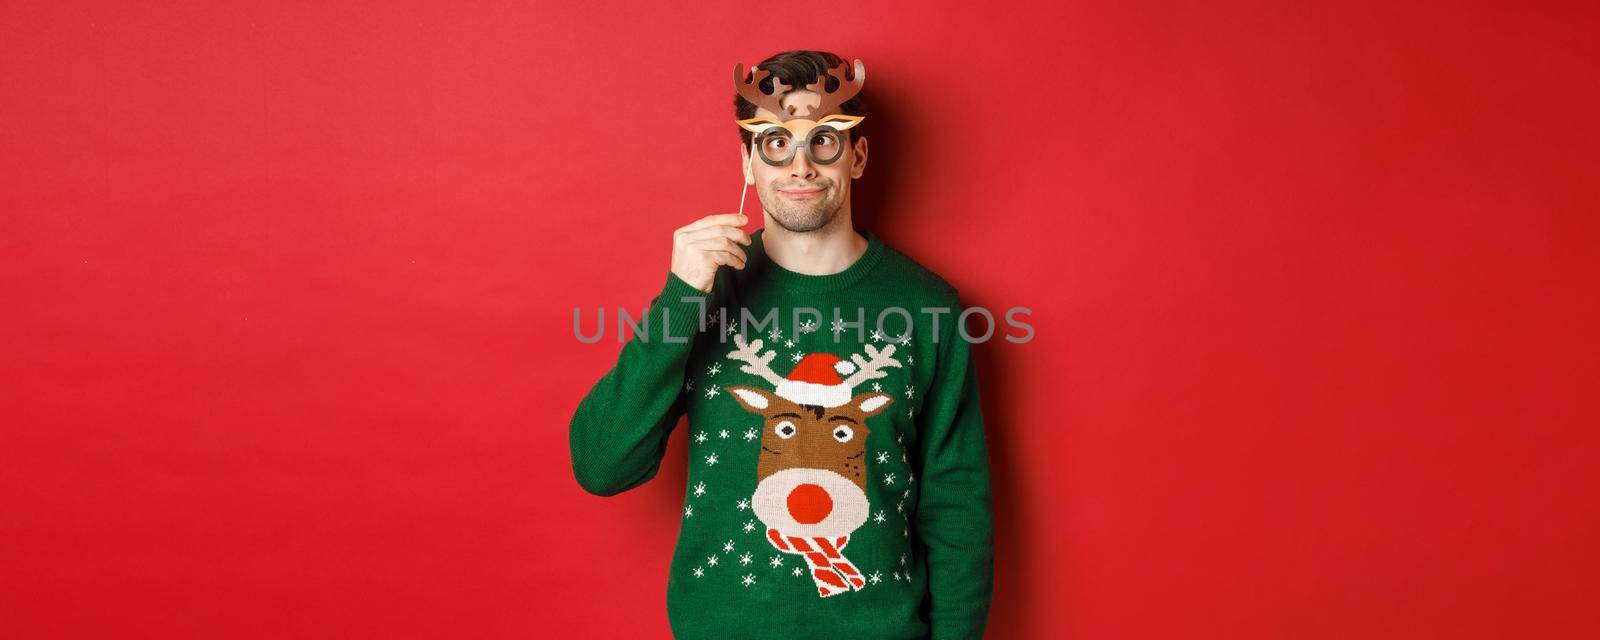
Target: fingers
{"x":734,"y":234}
{"x":711,"y":246}
{"x":700,"y":247}
{"x":732,"y":219}
{"x":727,"y":258}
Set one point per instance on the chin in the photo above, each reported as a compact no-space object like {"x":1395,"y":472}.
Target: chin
{"x":799,"y":228}
{"x":803,"y":223}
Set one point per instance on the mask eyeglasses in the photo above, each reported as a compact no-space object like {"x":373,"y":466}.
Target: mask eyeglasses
{"x":823,"y":142}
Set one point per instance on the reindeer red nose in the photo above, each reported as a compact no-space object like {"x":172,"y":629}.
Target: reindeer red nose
{"x":809,"y":504}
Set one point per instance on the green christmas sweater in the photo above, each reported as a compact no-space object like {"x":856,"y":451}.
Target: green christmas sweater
{"x":838,"y":482}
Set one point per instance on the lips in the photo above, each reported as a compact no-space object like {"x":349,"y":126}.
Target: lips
{"x":800,"y":194}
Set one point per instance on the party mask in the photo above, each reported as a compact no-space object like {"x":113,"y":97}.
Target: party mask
{"x":822,"y":138}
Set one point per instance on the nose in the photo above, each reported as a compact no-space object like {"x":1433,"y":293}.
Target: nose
{"x":800,"y":165}
{"x":809,"y":504}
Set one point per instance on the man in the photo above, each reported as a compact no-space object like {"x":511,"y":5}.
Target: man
{"x":838,"y":481}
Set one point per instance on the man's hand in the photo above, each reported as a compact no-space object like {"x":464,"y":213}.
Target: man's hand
{"x":699,"y":247}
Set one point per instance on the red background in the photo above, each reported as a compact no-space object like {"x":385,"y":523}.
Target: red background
{"x":288,"y":341}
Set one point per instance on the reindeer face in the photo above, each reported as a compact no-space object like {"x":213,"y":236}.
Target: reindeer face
{"x":796,"y":435}
{"x":811,"y":473}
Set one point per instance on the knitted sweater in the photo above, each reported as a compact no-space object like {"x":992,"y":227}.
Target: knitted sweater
{"x":838,"y":482}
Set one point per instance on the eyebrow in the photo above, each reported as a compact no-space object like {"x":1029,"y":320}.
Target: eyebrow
{"x":844,"y":417}
{"x":785,"y":415}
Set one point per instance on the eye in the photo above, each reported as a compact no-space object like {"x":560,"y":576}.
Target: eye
{"x":784,"y":429}
{"x":776,"y":140}
{"x":843,"y":433}
{"x":824,"y":144}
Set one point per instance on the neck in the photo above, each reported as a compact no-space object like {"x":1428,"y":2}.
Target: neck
{"x":825,"y":251}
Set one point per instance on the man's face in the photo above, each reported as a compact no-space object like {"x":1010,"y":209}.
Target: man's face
{"x":803,"y":195}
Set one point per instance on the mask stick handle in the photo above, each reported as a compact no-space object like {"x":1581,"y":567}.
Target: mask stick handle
{"x":745,"y":190}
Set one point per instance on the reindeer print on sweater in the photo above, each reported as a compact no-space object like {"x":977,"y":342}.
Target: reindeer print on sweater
{"x":812,"y":471}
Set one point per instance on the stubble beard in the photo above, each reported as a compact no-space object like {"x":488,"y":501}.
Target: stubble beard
{"x":802,"y":216}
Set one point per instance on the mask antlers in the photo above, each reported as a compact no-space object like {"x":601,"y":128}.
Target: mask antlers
{"x":848,"y":88}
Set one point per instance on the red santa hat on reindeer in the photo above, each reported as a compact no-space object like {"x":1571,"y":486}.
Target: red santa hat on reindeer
{"x":815,"y":380}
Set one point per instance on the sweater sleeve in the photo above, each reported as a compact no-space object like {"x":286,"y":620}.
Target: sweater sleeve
{"x":619,"y":432}
{"x":954,"y":512}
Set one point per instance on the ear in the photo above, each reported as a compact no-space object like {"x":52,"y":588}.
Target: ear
{"x":871,"y":404}
{"x":752,"y":399}
{"x":859,"y":165}
{"x":749,"y":171}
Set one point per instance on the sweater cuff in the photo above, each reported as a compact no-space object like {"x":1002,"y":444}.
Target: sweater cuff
{"x":677,"y":310}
